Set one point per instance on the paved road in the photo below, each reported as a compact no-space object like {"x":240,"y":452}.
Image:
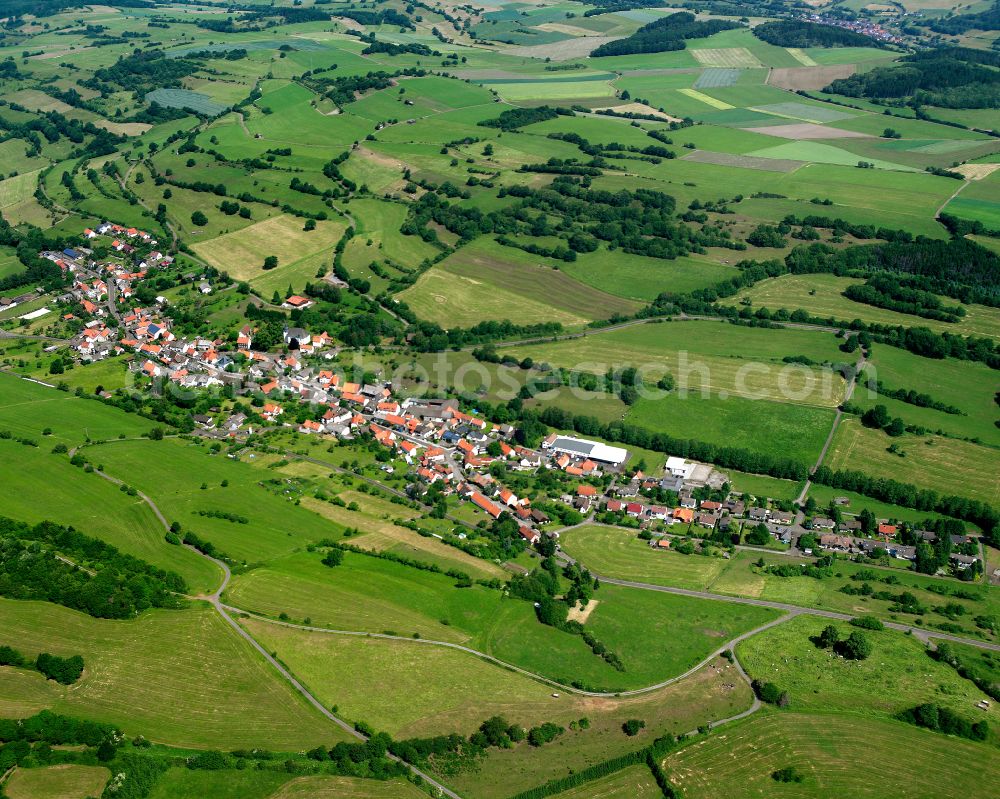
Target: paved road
{"x":216,"y":602}
{"x":788,"y":608}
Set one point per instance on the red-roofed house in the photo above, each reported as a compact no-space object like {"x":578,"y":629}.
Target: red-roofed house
{"x":487,"y":505}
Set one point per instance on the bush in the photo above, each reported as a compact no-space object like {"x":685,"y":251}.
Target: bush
{"x":63,"y":670}
{"x":633,"y":726}
{"x":868,"y":623}
{"x":786,"y":774}
{"x":855,"y":647}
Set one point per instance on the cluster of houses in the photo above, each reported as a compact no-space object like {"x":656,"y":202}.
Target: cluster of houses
{"x":445,"y":448}
{"x":866,"y":27}
{"x":98,"y":289}
{"x":884,"y":540}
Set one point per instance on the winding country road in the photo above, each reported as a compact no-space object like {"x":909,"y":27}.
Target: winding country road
{"x":223,"y":610}
{"x":788,"y":611}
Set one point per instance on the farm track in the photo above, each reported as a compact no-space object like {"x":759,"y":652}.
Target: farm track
{"x":223,"y":610}
{"x":510,"y":666}
{"x":837,"y":418}
{"x":789,"y":612}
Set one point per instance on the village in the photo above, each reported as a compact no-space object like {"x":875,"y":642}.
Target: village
{"x":447,"y":451}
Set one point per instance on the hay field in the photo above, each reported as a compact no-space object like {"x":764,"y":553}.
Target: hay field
{"x":68,"y":781}
{"x":946,"y":465}
{"x":696,"y":95}
{"x":737,"y":762}
{"x":140,"y":672}
{"x":242,"y":252}
{"x":485,"y":280}
{"x":822,"y":296}
{"x":731,"y":57}
{"x":707,"y":358}
{"x":810,"y":77}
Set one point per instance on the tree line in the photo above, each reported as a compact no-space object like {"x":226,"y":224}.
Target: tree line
{"x":799,"y":33}
{"x":65,"y":670}
{"x":88,"y":574}
{"x":666,"y":33}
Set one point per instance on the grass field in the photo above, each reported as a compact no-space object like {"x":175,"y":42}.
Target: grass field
{"x":28,"y":408}
{"x":183,"y":783}
{"x":242,"y":253}
{"x":41,"y":486}
{"x":943,"y":464}
{"x":729,"y":57}
{"x":57,"y":782}
{"x":706,"y":99}
{"x":707,"y":358}
{"x":485,"y":280}
{"x":899,"y":673}
{"x":635,"y":782}
{"x":761,"y":486}
{"x":139,"y":672}
{"x":822,"y":296}
{"x":619,"y":553}
{"x":18,"y":189}
{"x":640,"y":278}
{"x":367,"y":594}
{"x":172,"y":472}
{"x":424,"y":690}
{"x":737,"y":762}
{"x":820,"y":153}
{"x":382,"y":535}
{"x":796,"y":431}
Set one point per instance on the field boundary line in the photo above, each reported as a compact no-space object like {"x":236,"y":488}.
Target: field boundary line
{"x":510,"y":666}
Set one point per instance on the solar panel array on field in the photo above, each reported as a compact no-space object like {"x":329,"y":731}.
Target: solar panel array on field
{"x":715,"y":78}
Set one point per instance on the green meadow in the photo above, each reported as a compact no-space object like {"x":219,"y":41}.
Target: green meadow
{"x":370,"y":595}
{"x":139,"y":672}
{"x":620,"y":553}
{"x":837,"y":755}
{"x":898,"y":675}
{"x":186,"y":480}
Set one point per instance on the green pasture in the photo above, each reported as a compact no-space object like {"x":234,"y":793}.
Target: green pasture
{"x":428,"y":690}
{"x":821,"y":153}
{"x":183,"y":783}
{"x":946,"y":465}
{"x":708,"y":359}
{"x":172,"y":473}
{"x":898,"y":675}
{"x":822,"y":295}
{"x":27,"y":409}
{"x":620,"y":553}
{"x":776,"y":427}
{"x":824,"y":495}
{"x":45,"y":487}
{"x":642,"y":278}
{"x":67,"y":781}
{"x":760,"y":485}
{"x":738,"y":761}
{"x":139,"y":672}
{"x":485,"y":280}
{"x":371,"y":595}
